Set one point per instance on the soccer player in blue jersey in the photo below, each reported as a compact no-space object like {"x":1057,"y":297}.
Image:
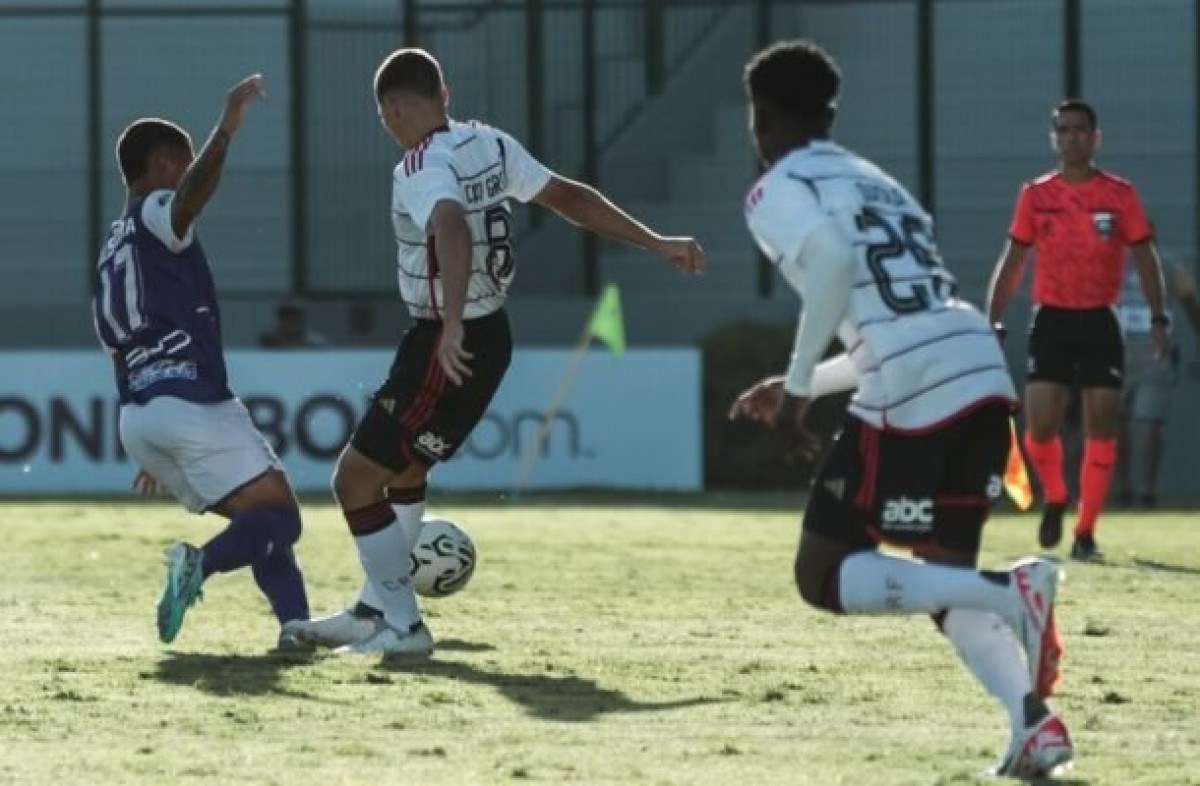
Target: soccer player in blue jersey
{"x":156,"y":314}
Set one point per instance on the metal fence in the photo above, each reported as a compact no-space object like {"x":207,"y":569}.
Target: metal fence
{"x":570,"y":77}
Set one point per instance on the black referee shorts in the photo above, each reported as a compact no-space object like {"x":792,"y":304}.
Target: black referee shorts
{"x":1076,"y":346}
{"x":418,"y":415}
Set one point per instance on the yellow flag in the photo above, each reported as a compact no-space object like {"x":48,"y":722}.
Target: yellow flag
{"x":606,"y":323}
{"x":1016,"y":479}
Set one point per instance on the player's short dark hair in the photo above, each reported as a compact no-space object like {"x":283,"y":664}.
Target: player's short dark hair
{"x":141,"y":138}
{"x":797,"y":77}
{"x":1076,"y":105}
{"x":414,"y":70}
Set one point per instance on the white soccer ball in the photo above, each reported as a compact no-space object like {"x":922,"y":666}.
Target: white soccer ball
{"x":443,"y":560}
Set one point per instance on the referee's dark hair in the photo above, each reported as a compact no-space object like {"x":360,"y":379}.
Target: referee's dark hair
{"x":141,"y":138}
{"x":413,"y":70}
{"x":799,"y":79}
{"x":1076,"y":105}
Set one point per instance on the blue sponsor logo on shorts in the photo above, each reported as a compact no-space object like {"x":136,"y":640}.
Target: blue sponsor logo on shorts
{"x":161,"y":371}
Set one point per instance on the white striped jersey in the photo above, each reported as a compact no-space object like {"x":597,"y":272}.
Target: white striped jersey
{"x":923,"y":356}
{"x":481,"y":168}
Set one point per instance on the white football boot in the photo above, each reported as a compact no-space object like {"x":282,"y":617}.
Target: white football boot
{"x":1042,"y":750}
{"x":335,"y":630}
{"x":388,"y":640}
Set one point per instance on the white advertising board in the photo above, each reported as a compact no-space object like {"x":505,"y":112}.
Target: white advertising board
{"x":632,"y":422}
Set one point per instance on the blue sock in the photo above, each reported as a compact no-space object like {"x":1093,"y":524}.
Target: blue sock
{"x":250,"y":537}
{"x":278,"y":576}
{"x":262,"y":538}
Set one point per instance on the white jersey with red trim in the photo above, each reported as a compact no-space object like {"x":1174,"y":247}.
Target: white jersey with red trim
{"x":922,"y":356}
{"x":481,"y":168}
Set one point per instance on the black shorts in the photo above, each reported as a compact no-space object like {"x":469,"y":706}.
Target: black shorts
{"x":1076,"y":346}
{"x":418,"y":415}
{"x":912,"y":491}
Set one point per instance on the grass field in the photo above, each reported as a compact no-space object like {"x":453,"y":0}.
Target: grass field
{"x":598,"y":643}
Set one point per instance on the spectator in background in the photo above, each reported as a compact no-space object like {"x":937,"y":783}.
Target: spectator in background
{"x":1149,"y":380}
{"x":1081,"y":221}
{"x":291,"y":330}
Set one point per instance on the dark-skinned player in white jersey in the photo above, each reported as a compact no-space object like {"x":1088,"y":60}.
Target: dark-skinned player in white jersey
{"x":920,"y":455}
{"x":454,"y":234}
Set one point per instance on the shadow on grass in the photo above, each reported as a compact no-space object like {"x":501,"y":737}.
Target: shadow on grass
{"x":458,"y":645}
{"x":546,"y":696}
{"x":231,"y":675}
{"x":1153,"y":564}
{"x":767,"y":501}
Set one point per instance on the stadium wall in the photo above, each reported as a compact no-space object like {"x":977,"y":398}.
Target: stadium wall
{"x":631,"y":423}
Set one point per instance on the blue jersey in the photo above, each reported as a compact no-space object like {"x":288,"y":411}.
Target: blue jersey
{"x":155,"y":308}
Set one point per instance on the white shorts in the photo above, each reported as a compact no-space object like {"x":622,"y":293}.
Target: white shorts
{"x":201,"y":453}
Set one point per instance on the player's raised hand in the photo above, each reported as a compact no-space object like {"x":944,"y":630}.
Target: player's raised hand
{"x":239,"y":97}
{"x":684,"y":253}
{"x":451,"y":354}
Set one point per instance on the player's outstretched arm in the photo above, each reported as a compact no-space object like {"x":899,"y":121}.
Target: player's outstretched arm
{"x":586,"y":207}
{"x":200,"y":180}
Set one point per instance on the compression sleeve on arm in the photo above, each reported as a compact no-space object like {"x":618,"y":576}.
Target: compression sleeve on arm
{"x":833,"y":376}
{"x":824,"y":271}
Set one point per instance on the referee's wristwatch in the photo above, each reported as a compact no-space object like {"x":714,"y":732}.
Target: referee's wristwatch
{"x":1160,"y":320}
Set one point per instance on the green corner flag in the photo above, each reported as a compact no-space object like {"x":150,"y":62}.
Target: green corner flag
{"x":606,"y":323}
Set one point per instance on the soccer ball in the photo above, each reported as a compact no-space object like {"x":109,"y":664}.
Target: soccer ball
{"x":443,"y":560}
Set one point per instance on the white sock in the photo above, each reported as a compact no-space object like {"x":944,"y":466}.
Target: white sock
{"x":990,"y":652}
{"x":874,"y":583}
{"x":367,"y":596}
{"x":410,"y":517}
{"x":384,"y":558}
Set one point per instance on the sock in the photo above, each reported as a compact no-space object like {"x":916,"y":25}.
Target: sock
{"x":278,"y":576}
{"x":1099,"y":455}
{"x":368,"y":603}
{"x":383,"y":549}
{"x":249,"y":537}
{"x":1047,"y":460}
{"x":874,"y":583}
{"x":990,"y":652}
{"x":409,"y":507}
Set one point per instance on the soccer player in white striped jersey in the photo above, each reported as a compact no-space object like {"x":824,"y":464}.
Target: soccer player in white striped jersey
{"x":920,"y":456}
{"x":454,"y":233}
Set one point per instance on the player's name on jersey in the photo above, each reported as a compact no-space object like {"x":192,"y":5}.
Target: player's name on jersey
{"x":484,"y":188}
{"x":880,"y":193}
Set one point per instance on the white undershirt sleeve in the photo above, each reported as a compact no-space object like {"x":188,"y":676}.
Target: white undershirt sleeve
{"x":833,"y":376}
{"x":823,"y":270}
